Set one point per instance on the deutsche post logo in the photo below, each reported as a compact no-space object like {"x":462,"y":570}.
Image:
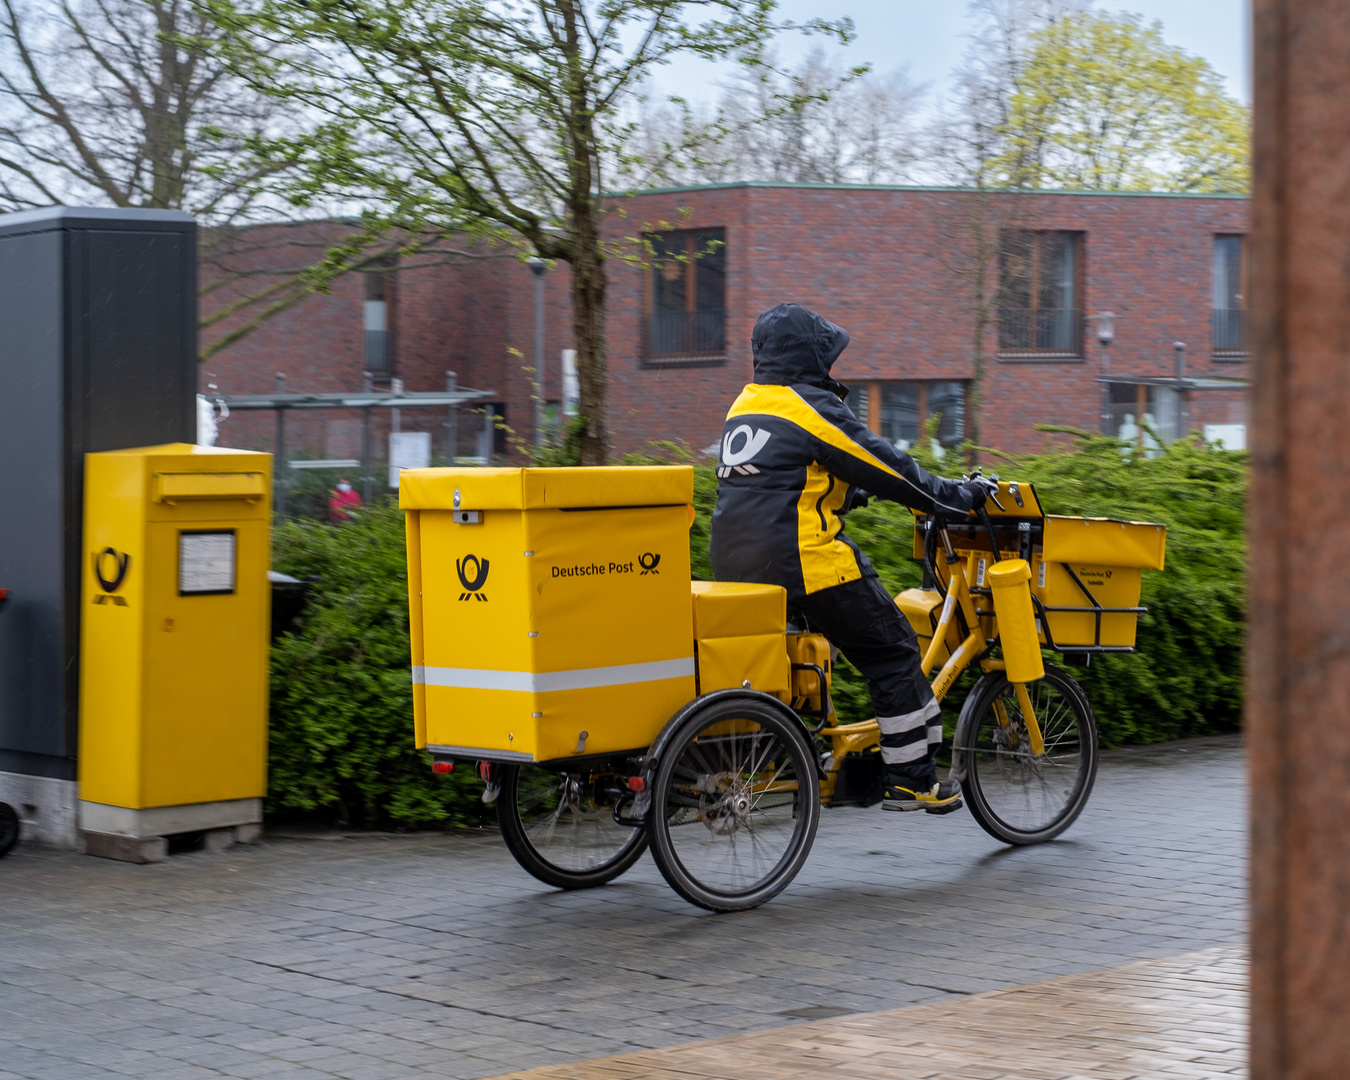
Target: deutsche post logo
{"x":479,"y":570}
{"x":110,"y":568}
{"x":649,"y":563}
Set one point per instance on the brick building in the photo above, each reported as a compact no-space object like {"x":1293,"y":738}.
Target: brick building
{"x":896,"y":267}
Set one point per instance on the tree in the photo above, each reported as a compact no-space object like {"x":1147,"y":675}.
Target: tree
{"x":822,"y":122}
{"x":1052,"y":94}
{"x":124,"y":103}
{"x":100,"y":101}
{"x":972,"y":135}
{"x":1104,"y":103}
{"x":964,"y":147}
{"x":495,"y":119}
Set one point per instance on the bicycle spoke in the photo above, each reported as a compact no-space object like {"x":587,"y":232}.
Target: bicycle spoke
{"x":732,"y":825}
{"x":566,"y":821}
{"x":1024,"y":792}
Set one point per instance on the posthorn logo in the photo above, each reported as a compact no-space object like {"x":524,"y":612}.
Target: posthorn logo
{"x":736,"y":457}
{"x":479,"y":572}
{"x":110,"y":568}
{"x":649,"y":563}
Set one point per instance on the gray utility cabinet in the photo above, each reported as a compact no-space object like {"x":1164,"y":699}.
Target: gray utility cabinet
{"x":98,"y":351}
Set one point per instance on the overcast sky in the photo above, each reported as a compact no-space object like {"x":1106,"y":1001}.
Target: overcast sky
{"x":929,"y":36}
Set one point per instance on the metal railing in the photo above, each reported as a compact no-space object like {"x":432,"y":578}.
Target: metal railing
{"x":378,"y":351}
{"x":675,"y":336}
{"x":1042,"y":331}
{"x":1228,"y":330}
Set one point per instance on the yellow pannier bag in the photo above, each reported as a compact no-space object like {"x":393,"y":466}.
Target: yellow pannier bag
{"x":741,"y":629}
{"x":549,"y":608}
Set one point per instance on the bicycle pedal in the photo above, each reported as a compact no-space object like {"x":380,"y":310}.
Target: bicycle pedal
{"x":948,"y":809}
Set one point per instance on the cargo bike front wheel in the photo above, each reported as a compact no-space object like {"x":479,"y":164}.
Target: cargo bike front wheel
{"x":561,"y":826}
{"x":1018,"y":796}
{"x":735,"y":802}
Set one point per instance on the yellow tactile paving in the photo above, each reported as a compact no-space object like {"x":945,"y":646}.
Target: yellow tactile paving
{"x":1182,"y":1018}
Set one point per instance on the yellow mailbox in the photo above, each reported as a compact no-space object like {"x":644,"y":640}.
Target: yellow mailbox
{"x":173,"y":645}
{"x":549,"y":608}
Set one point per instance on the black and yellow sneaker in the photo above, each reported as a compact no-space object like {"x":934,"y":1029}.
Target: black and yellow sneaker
{"x":942,"y":798}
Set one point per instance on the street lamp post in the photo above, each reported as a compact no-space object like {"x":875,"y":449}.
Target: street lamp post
{"x":538,"y":266}
{"x":1183,"y":423}
{"x":1106,"y":333}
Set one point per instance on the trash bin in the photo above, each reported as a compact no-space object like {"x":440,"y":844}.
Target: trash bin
{"x":549,"y":608}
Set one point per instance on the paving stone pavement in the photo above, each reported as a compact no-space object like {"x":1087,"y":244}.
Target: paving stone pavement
{"x":1183,"y":1017}
{"x":382,"y":958}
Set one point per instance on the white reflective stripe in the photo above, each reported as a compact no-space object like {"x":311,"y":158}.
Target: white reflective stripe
{"x":904,"y":755}
{"x":476,"y":679}
{"x":419,"y":674}
{"x":911,"y":721}
{"x":545,"y":681}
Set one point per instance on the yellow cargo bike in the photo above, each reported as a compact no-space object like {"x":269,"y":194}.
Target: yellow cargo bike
{"x":611,"y":705}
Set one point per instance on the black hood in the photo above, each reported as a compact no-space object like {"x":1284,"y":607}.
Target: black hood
{"x":794,"y":345}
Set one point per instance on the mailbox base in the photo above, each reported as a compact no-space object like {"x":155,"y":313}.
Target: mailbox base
{"x":125,"y":848}
{"x":130,"y":835}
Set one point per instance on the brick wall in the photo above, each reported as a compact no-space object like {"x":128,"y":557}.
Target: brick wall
{"x":462,"y":311}
{"x":890,"y":265}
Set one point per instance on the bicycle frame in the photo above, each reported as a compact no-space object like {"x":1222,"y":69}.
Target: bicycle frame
{"x":848,"y":739}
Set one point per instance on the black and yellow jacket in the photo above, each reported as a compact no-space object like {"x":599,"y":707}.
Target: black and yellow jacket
{"x":792,"y":456}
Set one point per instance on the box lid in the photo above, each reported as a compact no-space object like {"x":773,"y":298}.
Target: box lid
{"x":738,"y":609}
{"x":190,"y":458}
{"x":538,"y":489}
{"x":1104,"y":542}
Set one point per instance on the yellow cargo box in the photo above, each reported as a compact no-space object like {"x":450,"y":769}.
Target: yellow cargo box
{"x":1086,"y":573}
{"x":549,"y":608}
{"x":1088,"y":578}
{"x":741,"y":631}
{"x":174,"y":639}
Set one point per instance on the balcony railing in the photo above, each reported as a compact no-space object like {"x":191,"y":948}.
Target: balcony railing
{"x":378,"y":351}
{"x":1227,"y":326}
{"x":1040,"y":331}
{"x":676,"y":337}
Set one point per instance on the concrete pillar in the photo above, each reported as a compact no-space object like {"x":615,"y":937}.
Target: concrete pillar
{"x":1298,"y":704}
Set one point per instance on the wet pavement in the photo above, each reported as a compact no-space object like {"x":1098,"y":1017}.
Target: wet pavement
{"x":380,"y":958}
{"x":1184,"y":1017}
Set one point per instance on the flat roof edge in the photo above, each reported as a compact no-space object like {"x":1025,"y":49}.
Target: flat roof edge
{"x":818,"y":186}
{"x":46,"y":218}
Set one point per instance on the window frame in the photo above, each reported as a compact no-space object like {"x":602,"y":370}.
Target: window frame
{"x":1076,"y":353}
{"x":691,"y":262}
{"x":875,"y":389}
{"x":1226,"y":353}
{"x":379,"y":285}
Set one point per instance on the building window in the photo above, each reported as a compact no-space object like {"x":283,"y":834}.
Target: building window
{"x":379,"y":285}
{"x":1040,"y":293}
{"x":1230,"y":288}
{"x":898,"y":411}
{"x":685,"y":316}
{"x":1143,"y":413}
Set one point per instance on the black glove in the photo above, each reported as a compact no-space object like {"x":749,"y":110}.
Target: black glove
{"x":857,"y":499}
{"x":979,"y":488}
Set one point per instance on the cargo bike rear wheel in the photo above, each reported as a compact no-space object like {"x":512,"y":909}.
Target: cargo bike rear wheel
{"x":561,"y":826}
{"x":735,"y":802}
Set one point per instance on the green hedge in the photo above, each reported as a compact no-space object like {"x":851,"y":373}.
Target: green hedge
{"x":341,"y":711}
{"x":341,"y":743}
